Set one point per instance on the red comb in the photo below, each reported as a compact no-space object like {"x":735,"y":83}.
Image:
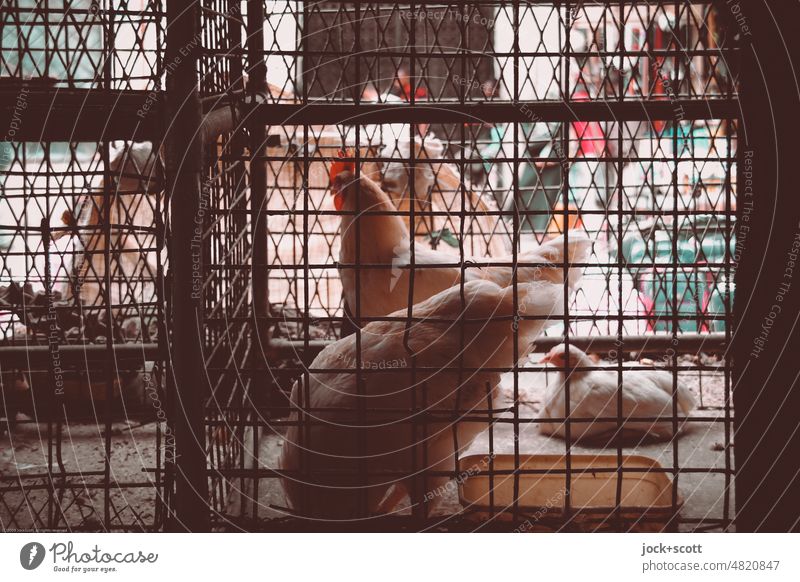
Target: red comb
{"x":342,"y":166}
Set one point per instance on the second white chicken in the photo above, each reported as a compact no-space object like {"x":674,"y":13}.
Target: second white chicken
{"x":593,"y":394}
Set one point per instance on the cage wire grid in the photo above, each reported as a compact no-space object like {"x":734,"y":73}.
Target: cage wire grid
{"x":342,"y":63}
{"x":622,"y":117}
{"x":82,"y":304}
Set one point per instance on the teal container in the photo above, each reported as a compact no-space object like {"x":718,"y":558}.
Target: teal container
{"x":713,"y":247}
{"x":644,"y":252}
{"x":715,"y":308}
{"x":6,"y":159}
{"x":701,"y":290}
{"x":633,"y":250}
{"x":693,"y":140}
{"x":669,"y":289}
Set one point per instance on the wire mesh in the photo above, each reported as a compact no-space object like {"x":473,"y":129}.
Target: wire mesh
{"x":495,"y":127}
{"x":85,"y":433}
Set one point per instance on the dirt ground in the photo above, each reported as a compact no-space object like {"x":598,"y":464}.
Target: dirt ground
{"x":24,"y":462}
{"x":132,"y":501}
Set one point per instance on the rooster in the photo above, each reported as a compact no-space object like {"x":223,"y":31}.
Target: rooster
{"x":384,"y":253}
{"x":593,"y":394}
{"x":329,"y":452}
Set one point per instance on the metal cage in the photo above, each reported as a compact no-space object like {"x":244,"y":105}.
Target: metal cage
{"x":209,"y":239}
{"x":85,"y":430}
{"x":616,"y":120}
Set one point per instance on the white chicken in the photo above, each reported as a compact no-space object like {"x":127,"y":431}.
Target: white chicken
{"x":397,"y":174}
{"x":385,"y":253}
{"x":411,"y":421}
{"x":593,"y":395}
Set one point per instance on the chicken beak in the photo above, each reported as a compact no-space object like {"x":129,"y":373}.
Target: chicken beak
{"x":545,"y":360}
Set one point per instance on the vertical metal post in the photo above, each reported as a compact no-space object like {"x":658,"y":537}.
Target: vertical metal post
{"x":257,"y":83}
{"x":183,"y":155}
{"x":766,"y":394}
{"x":236,"y":145}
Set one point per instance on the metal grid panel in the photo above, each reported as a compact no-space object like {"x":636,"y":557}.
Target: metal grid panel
{"x":100,"y":44}
{"x":230,"y":338}
{"x":80,"y":325}
{"x":618,"y":121}
{"x":81,"y":277}
{"x":457,"y":45}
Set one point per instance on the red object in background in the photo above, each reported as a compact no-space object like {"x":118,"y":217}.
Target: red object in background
{"x":420,"y":94}
{"x":591,"y":139}
{"x":589,"y":134}
{"x":655,"y":70}
{"x":649,"y":305}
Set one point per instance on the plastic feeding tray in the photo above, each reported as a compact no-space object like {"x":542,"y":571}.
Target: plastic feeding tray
{"x":644,"y":491}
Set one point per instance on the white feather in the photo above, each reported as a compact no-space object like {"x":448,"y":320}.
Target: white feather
{"x":385,"y":246}
{"x":331,"y":452}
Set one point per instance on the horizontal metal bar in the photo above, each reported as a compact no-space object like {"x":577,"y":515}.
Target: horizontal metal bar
{"x":79,"y":114}
{"x":689,"y":343}
{"x":334,"y":7}
{"x":476,"y":213}
{"x":578,"y":315}
{"x":97,"y":115}
{"x":292,"y":371}
{"x":460,"y":50}
{"x":150,"y":14}
{"x":80,"y":482}
{"x":379,"y":417}
{"x":297,"y":157}
{"x":456,"y":522}
{"x":334,"y":266}
{"x":511,"y":112}
{"x":662,"y":316}
{"x":32,"y":356}
{"x":266,"y":472}
{"x":486,"y":369}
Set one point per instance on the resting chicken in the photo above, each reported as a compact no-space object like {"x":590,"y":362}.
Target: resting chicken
{"x":384,"y":253}
{"x":593,"y":394}
{"x":342,"y":468}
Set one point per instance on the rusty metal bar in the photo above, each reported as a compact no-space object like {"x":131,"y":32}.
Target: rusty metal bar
{"x":765,"y":341}
{"x":689,"y":343}
{"x":83,"y":114}
{"x":504,"y":112}
{"x":257,"y":84}
{"x":31,"y":356}
{"x":260,"y":335}
{"x":183,"y":154}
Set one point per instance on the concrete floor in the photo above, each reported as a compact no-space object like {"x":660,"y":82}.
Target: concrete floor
{"x":700,"y":446}
{"x":132,"y":495}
